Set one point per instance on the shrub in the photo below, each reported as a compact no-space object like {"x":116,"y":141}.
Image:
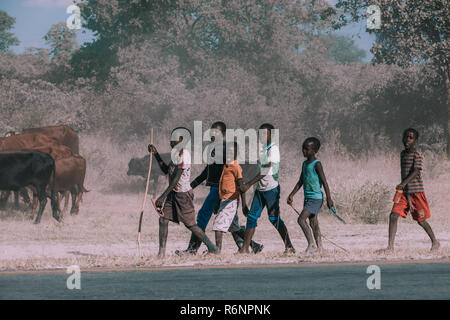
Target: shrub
{"x":369,"y":203}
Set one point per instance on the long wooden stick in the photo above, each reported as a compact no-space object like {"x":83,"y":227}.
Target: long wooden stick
{"x":145,"y":196}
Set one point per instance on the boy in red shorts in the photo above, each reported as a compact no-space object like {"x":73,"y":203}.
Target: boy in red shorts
{"x":413,"y":196}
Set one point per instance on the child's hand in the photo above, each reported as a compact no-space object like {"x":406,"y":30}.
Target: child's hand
{"x":152,"y":149}
{"x":400,"y":187}
{"x":159,"y":203}
{"x":245,"y":210}
{"x":244,"y":187}
{"x":290,"y":199}
{"x":330,"y":203}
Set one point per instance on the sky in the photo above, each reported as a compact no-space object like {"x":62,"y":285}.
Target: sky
{"x":35,"y":17}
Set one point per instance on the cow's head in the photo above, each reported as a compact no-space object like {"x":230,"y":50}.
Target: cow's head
{"x":138,"y":166}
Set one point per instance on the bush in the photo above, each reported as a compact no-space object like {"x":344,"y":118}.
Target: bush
{"x":369,"y":203}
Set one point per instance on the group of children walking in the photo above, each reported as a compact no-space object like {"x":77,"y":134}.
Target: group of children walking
{"x":227,"y":188}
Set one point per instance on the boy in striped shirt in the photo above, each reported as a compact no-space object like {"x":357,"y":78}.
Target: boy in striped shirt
{"x":413,"y":196}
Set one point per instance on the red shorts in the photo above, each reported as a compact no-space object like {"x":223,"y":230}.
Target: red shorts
{"x":417,"y":204}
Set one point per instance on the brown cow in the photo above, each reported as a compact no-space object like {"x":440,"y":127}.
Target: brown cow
{"x":70,"y":174}
{"x":56,"y":151}
{"x":63,"y":134}
{"x":25,"y":141}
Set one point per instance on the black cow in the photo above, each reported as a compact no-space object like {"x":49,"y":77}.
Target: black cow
{"x":139,"y":167}
{"x":35,"y":169}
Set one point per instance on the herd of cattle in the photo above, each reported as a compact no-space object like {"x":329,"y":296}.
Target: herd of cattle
{"x":46,"y":161}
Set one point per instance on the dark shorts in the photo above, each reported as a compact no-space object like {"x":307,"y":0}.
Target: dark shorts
{"x":312,"y":205}
{"x":179,"y":207}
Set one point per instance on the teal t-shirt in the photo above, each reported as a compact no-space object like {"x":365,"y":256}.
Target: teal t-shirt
{"x":312,"y":185}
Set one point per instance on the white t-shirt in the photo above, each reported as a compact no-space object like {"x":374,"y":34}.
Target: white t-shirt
{"x":270,"y":154}
{"x":184,"y":163}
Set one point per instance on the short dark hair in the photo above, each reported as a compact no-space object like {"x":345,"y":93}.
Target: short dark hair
{"x":267,"y":126}
{"x":414,"y":131}
{"x":314,"y":141}
{"x":221,"y":125}
{"x":184,"y":128}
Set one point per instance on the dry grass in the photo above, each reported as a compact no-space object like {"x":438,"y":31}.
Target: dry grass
{"x":104,"y":233}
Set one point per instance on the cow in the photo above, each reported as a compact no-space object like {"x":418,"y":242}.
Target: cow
{"x":70,"y":174}
{"x":56,"y":151}
{"x":62,"y":134}
{"x":36,"y":169}
{"x":16,"y":143}
{"x":139,"y":167}
{"x":25,"y":141}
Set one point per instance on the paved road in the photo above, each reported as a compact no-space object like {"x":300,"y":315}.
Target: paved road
{"x":419,"y":280}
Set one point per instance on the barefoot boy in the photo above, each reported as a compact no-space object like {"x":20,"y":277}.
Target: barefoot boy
{"x":312,"y":178}
{"x":413,"y":196}
{"x":267,"y":191}
{"x":230,"y":181}
{"x":177,"y":200}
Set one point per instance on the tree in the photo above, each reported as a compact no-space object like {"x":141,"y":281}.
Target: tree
{"x":411,"y":33}
{"x":117,"y":24}
{"x":7,"y":38}
{"x":62,"y":43}
{"x":198,"y":32}
{"x":342,"y":49}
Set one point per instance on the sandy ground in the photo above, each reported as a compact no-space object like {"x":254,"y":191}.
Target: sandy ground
{"x":104,"y":235}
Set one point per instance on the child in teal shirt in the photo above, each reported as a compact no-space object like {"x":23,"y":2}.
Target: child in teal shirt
{"x":312,"y":178}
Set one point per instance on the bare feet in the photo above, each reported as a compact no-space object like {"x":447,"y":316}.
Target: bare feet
{"x":289,"y":250}
{"x":384,"y":251}
{"x":435,"y":246}
{"x":244,"y":251}
{"x":310,"y":249}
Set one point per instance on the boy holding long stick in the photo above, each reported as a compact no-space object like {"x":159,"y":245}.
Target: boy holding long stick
{"x":177,"y":202}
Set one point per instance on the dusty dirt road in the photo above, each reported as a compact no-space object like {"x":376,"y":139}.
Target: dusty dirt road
{"x":104,"y":235}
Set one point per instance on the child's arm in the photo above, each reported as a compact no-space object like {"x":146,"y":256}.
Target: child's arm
{"x":297,"y":187}
{"x":319,"y":170}
{"x":245,"y":186}
{"x":173,"y":183}
{"x":202,"y":177}
{"x":244,"y":203}
{"x":408,"y":179}
{"x":164,"y":167}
